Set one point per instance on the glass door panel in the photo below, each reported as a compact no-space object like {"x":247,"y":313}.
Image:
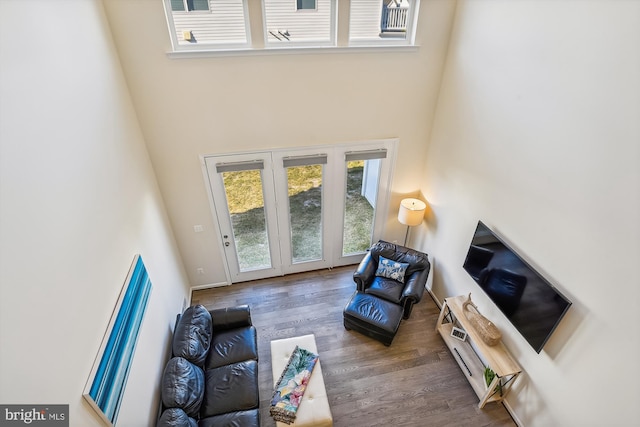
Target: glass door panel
{"x":359,"y":210}
{"x":304,"y":187}
{"x":245,"y":201}
{"x":361,"y":194}
{"x":303,"y":218}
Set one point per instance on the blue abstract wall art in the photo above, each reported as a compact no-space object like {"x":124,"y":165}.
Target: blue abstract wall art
{"x":108,"y":378}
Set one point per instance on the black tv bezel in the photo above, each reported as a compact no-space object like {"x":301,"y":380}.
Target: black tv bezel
{"x":535,"y":271}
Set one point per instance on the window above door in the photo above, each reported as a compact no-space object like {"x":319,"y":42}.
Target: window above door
{"x":224,"y":26}
{"x":189,"y":5}
{"x":306,"y":4}
{"x":291,"y":23}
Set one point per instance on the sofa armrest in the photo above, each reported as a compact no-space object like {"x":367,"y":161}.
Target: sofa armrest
{"x":414,"y":287}
{"x":231,"y":317}
{"x":413,"y":291}
{"x":365,"y":273}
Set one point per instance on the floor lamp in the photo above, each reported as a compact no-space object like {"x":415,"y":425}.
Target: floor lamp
{"x":411,"y":213}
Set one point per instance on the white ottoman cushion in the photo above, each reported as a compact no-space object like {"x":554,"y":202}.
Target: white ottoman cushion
{"x":314,"y":409}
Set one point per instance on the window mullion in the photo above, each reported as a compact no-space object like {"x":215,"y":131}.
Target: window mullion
{"x":343,"y":13}
{"x":255,"y":11}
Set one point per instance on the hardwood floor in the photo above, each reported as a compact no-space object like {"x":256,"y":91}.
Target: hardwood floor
{"x":414,"y":382}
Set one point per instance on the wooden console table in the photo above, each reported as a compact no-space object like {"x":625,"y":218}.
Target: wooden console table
{"x":471,"y":353}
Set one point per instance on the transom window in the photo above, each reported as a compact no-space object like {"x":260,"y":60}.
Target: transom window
{"x":306,"y":4}
{"x":310,"y":23}
{"x":189,"y":5}
{"x":214,"y":25}
{"x":384,"y":21}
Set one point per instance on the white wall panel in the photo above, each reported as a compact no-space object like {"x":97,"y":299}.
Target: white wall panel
{"x":536,"y":134}
{"x":78,"y":198}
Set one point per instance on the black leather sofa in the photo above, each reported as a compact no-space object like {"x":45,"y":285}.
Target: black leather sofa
{"x":212,"y":377}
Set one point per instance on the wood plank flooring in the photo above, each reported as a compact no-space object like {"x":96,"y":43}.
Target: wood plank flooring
{"x":414,"y":382}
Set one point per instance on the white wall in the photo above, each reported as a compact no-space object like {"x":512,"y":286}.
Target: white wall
{"x":537,"y":133}
{"x":78,"y":198}
{"x":191,"y":107}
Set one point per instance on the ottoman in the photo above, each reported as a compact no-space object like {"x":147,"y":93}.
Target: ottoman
{"x":373,"y":317}
{"x":314,"y":410}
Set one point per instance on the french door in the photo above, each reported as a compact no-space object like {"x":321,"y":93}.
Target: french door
{"x":288,"y":211}
{"x":244,"y":201}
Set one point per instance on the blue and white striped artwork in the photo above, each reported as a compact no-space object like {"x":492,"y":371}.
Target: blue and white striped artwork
{"x":108,"y":378}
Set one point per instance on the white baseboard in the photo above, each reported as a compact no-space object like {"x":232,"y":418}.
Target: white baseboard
{"x":513,"y":414}
{"x":208,"y":286}
{"x":435,"y":299}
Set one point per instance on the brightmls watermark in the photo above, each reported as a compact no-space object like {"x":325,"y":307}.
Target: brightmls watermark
{"x":34,"y":415}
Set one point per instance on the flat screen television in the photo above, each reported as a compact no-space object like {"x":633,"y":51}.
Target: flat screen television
{"x":528,"y":300}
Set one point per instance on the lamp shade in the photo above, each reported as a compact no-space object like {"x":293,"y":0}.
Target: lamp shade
{"x":411,"y":212}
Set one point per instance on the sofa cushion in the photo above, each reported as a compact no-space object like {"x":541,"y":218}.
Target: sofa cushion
{"x":231,"y":346}
{"x":192,"y":336}
{"x":183,"y":386}
{"x":387,"y":289}
{"x":249,"y":418}
{"x":391,"y":269}
{"x":231,"y":388}
{"x":175,"y":417}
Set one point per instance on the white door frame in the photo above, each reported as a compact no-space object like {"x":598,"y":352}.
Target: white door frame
{"x":334,"y":178}
{"x":382,"y":198}
{"x":280,"y":175}
{"x":220,"y":211}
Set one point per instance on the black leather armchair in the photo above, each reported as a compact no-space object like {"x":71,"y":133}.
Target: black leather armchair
{"x":404,"y":294}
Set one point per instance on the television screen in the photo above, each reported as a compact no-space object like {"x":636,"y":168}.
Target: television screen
{"x":526,"y":298}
